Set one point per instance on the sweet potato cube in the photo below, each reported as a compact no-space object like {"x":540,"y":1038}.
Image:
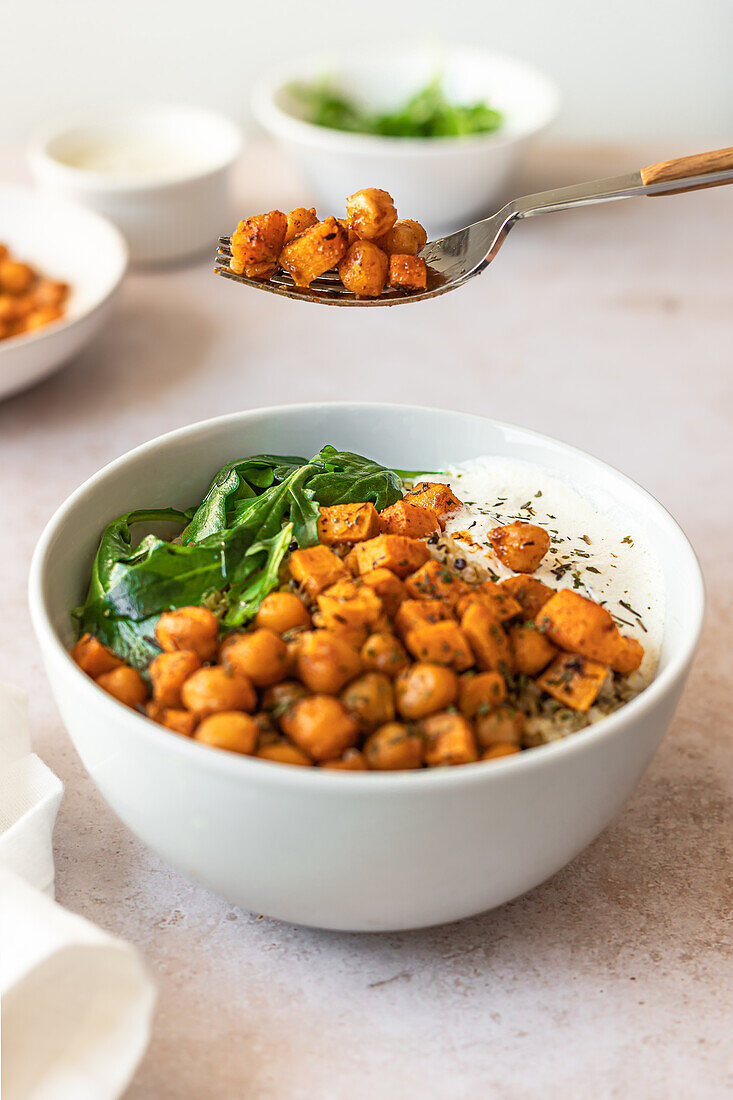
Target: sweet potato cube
{"x":388,"y":587}
{"x":579,"y":625}
{"x":449,"y":740}
{"x":315,"y":251}
{"x":488,"y":639}
{"x":364,"y":269}
{"x":407,"y":519}
{"x":529,"y":593}
{"x":500,"y":604}
{"x":299,"y":220}
{"x":401,"y":555}
{"x":347,"y":604}
{"x":573,"y":680}
{"x":480,"y":692}
{"x":434,"y":581}
{"x":436,"y":496}
{"x":315,"y":568}
{"x":408,"y":272}
{"x":258,"y":240}
{"x":520,"y":546}
{"x":532,"y":651}
{"x":346,"y":523}
{"x":413,"y":613}
{"x":442,"y":643}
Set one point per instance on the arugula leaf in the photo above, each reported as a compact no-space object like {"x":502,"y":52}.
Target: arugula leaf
{"x":426,"y":114}
{"x":265,"y":558}
{"x":235,"y":482}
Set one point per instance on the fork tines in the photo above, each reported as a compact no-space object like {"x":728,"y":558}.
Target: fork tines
{"x":327,"y":288}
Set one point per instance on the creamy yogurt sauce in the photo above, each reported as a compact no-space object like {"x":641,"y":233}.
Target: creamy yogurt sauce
{"x":132,"y":157}
{"x":588,"y":552}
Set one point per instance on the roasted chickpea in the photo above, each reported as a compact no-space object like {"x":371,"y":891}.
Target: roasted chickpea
{"x":371,"y":212}
{"x":46,"y":292}
{"x":371,"y":699}
{"x":363,"y":270}
{"x":394,"y":747}
{"x":194,"y":628}
{"x":94,"y":658}
{"x":321,"y":726}
{"x":229,"y":729}
{"x":501,"y":724}
{"x":44,"y":315}
{"x":326,"y":662}
{"x":125,"y":684}
{"x":351,"y":761}
{"x":521,"y":546}
{"x":283,"y":752}
{"x":299,"y":220}
{"x":282,"y":611}
{"x":382,"y":652}
{"x":261,"y":655}
{"x":478,"y":694}
{"x":210,"y":690}
{"x":180,"y":721}
{"x":425,"y":688}
{"x":401,"y":240}
{"x":15,"y":278}
{"x":502,"y":748}
{"x":417,"y":229}
{"x":168,"y":673}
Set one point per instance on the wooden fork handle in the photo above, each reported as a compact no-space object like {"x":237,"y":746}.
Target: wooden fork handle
{"x":700,"y":164}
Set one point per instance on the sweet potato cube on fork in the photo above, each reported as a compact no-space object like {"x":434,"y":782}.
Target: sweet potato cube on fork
{"x":317,"y":250}
{"x":299,"y":220}
{"x":256,"y":244}
{"x":408,"y":272}
{"x":573,"y":680}
{"x":342,"y":524}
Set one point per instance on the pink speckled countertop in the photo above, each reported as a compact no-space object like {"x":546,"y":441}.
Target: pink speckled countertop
{"x":609,"y":327}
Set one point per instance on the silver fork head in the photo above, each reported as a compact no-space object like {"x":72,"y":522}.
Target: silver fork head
{"x":450,"y":261}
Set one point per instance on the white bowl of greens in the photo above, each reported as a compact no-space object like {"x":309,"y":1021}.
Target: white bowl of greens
{"x":440,"y":130}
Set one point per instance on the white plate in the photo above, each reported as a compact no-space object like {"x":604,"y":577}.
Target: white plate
{"x":67,"y":243}
{"x":357,"y":851}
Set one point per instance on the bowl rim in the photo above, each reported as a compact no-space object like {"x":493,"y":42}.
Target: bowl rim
{"x":43,"y":164}
{"x":383,"y":783}
{"x":284,"y":125}
{"x":99,"y":298}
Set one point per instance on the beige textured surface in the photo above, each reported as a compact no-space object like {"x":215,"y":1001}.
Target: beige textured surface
{"x":610,"y":328}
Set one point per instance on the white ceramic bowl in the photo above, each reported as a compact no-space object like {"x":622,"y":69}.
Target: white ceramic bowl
{"x":70,"y":244}
{"x":359,"y":851}
{"x":167,"y":214}
{"x":445,"y":183}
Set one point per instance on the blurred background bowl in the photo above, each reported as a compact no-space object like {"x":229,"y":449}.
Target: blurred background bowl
{"x":69,"y":244}
{"x":443,"y":182}
{"x":160,"y":173}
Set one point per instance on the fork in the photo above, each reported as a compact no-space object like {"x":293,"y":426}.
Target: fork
{"x":453,"y":260}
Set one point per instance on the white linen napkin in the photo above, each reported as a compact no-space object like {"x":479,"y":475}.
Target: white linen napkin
{"x":76,"y":1002}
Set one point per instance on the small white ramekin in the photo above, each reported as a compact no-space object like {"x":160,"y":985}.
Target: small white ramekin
{"x":446,"y":182}
{"x":165,"y":217}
